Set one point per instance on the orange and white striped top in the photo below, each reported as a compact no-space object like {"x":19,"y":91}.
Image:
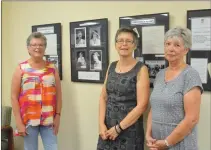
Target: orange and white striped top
{"x":37,"y":98}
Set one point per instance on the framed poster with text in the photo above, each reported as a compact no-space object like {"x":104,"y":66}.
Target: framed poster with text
{"x":199,"y":56}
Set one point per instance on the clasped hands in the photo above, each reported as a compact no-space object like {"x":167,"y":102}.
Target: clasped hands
{"x":154,"y":144}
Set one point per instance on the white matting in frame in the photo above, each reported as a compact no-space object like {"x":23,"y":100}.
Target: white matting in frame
{"x":81,"y":62}
{"x":95,"y":36}
{"x":95,"y":58}
{"x":80,"y":37}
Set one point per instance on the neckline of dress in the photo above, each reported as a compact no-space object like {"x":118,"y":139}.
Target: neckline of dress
{"x":123,"y":73}
{"x":175,"y":78}
{"x":46,"y":63}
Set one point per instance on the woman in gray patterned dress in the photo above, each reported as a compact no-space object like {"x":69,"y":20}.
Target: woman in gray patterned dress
{"x":124,"y":98}
{"x":175,"y":99}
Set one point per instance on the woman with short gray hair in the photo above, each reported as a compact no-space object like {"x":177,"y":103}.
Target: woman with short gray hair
{"x":175,"y":99}
{"x":36,"y":96}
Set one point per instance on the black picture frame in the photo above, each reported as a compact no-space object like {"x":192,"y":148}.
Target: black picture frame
{"x":89,"y":50}
{"x":140,"y":24}
{"x":53,"y":34}
{"x":199,"y":53}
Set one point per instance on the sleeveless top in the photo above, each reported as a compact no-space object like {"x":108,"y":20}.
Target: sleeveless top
{"x":121,"y":99}
{"x":37,"y":98}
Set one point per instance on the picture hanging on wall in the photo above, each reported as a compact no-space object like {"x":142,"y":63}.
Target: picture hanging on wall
{"x":53,"y":51}
{"x":89,"y":50}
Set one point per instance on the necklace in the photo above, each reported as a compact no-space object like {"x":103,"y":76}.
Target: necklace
{"x":120,"y":70}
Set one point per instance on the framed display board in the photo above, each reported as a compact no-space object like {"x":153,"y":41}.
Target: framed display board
{"x":150,"y":29}
{"x":89,"y":50}
{"x":53,"y":50}
{"x":199,"y":56}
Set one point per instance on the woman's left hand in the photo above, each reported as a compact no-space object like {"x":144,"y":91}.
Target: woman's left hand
{"x":56,"y":124}
{"x":159,"y":144}
{"x":111,"y":133}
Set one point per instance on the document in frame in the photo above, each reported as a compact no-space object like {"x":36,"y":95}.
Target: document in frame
{"x":84,"y":75}
{"x":200,"y":65}
{"x":201,"y":33}
{"x":153,"y":39}
{"x":51,"y":48}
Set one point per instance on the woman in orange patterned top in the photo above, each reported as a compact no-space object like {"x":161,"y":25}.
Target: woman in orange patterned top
{"x":36,"y":96}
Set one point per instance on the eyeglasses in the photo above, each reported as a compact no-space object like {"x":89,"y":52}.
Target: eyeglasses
{"x":121,"y":41}
{"x":36,"y":45}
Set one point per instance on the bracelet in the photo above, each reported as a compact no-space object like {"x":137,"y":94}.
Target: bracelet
{"x":166,"y":142}
{"x":120,"y":127}
{"x":116,"y":130}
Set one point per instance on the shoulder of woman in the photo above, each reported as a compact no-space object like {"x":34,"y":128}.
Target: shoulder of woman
{"x":191,"y":72}
{"x":23,"y":64}
{"x":50,"y":64}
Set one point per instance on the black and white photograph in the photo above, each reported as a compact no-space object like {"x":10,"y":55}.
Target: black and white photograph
{"x":53,"y":59}
{"x":95,"y":59}
{"x":89,"y":50}
{"x":81,"y":62}
{"x":80,"y":37}
{"x":154,"y":67}
{"x":94,"y":34}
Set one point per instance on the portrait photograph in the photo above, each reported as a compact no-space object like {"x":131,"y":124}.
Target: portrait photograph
{"x":95,"y":57}
{"x":95,"y":36}
{"x":81,"y":62}
{"x":80,"y":37}
{"x":54,"y":59}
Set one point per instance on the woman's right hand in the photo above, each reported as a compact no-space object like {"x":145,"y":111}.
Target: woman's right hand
{"x":102,"y":131}
{"x":150,"y":141}
{"x":21,"y":129}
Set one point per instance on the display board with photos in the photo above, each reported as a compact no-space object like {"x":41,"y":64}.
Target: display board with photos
{"x":199,"y":56}
{"x":150,"y":29}
{"x":89,"y":50}
{"x":53,"y":51}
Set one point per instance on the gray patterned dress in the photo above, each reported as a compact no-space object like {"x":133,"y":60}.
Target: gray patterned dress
{"x":168,"y":106}
{"x":121,"y":91}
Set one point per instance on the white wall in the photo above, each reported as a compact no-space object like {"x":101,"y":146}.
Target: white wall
{"x":79,"y":122}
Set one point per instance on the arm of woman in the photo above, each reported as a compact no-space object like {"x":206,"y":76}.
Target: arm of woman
{"x":149,"y":124}
{"x":15,"y":91}
{"x":142,"y":88}
{"x":102,"y":110}
{"x":58,"y":102}
{"x":192,"y":101}
{"x":150,"y":141}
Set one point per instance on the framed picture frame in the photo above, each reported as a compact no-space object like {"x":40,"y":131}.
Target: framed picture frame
{"x":89,"y":50}
{"x":150,"y":29}
{"x":53,"y":50}
{"x":199,"y":56}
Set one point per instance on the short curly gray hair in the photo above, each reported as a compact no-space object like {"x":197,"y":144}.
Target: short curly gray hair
{"x":183,"y":33}
{"x":37,"y":35}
